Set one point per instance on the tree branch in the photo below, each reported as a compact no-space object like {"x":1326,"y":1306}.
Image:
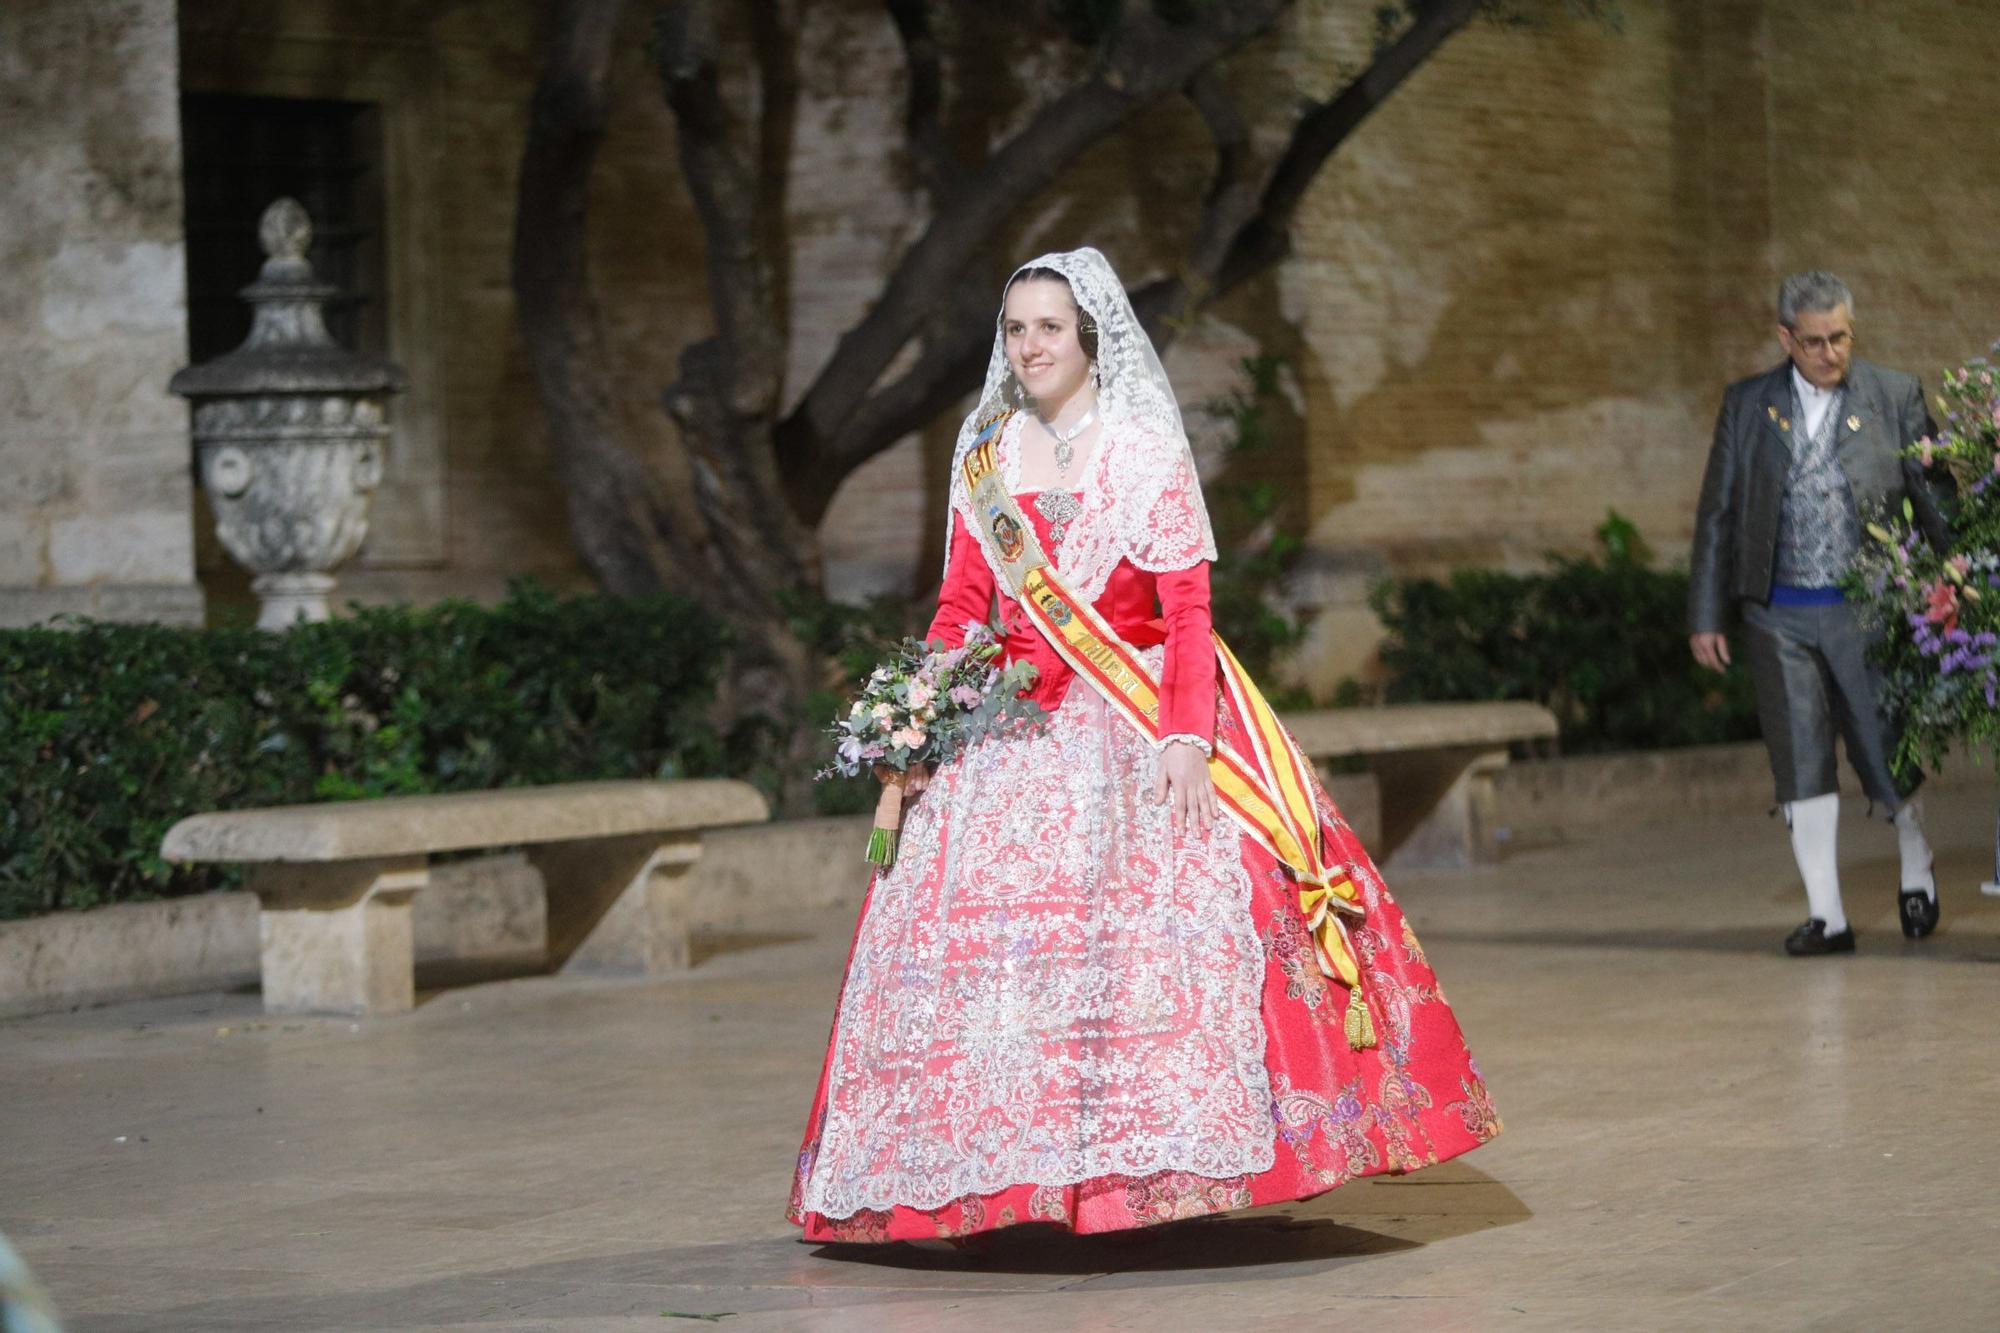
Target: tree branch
{"x":1145,"y":59}
{"x":619,"y":517}
{"x":777,"y":123}
{"x":726,"y":197}
{"x":1326,"y":127}
{"x":1264,"y":238}
{"x":956,"y":343}
{"x":936,"y":171}
{"x":729,"y":389}
{"x":1230,"y":196}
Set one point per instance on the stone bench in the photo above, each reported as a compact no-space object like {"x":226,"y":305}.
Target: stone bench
{"x":334,"y":881}
{"x":1434,"y":764}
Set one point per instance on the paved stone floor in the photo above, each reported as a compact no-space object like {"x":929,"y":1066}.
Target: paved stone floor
{"x":1701,"y":1134}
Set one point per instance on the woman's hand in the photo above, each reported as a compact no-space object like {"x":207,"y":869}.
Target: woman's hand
{"x":915,"y":779}
{"x":1185,"y":787}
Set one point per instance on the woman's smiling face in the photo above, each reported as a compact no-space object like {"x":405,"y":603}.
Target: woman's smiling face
{"x":1039,"y":322}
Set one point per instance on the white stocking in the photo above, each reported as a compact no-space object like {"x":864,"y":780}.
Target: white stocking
{"x":1815,"y":842}
{"x":1916,"y":849}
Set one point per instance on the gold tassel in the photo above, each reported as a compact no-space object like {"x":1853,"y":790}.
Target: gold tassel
{"x":1360,"y":1024}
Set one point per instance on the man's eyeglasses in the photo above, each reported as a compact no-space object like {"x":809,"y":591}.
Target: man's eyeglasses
{"x":1815,"y":344}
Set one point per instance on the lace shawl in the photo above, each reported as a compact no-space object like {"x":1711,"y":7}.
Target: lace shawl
{"x":1140,"y":492}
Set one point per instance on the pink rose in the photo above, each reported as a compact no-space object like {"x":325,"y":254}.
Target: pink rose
{"x":921,"y":694}
{"x":911,"y":738}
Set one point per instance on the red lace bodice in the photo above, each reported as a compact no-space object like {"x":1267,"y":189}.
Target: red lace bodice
{"x":1144,"y":608}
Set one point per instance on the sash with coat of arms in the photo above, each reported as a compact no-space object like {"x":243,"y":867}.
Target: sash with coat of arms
{"x":1265,"y":785}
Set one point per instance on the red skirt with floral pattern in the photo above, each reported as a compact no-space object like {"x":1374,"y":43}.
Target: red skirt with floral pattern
{"x":1336,"y":1114}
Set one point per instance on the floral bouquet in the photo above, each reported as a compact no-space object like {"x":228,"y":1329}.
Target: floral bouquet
{"x":1939,"y":612}
{"x":923,"y":706}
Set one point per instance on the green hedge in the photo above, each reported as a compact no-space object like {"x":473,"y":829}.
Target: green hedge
{"x":111,"y":733}
{"x":1602,"y":642}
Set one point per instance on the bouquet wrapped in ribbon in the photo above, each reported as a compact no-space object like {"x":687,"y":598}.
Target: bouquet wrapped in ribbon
{"x":923,"y":706}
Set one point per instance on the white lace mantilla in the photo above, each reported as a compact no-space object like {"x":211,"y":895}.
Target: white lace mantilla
{"x":1140,"y":492}
{"x":1048,"y":986}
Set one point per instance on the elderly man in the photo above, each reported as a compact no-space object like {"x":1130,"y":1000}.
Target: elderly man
{"x":1802,"y":452}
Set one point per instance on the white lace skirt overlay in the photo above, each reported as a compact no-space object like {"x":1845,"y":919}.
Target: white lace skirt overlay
{"x":1047,"y":988}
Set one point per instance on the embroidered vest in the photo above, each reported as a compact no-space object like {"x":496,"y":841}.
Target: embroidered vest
{"x":1819,"y":530}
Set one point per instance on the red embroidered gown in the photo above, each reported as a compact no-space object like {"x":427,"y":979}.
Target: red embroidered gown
{"x":1056,"y":1010}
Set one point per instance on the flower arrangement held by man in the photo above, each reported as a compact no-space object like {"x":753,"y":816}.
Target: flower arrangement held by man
{"x":1937,"y":609}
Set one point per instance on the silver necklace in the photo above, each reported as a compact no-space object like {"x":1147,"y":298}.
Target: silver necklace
{"x":1059,"y":504}
{"x":1066,"y":441}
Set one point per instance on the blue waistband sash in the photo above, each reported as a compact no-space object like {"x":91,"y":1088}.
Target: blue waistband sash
{"x":1785,"y":594}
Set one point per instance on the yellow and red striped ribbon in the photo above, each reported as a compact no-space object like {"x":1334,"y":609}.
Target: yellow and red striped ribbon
{"x":1269,"y":792}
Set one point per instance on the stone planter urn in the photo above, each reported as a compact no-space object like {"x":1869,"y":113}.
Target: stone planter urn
{"x":289,"y":432}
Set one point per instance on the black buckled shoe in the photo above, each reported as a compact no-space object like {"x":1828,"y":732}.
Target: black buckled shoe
{"x":1811,"y":939}
{"x":1918,"y":912}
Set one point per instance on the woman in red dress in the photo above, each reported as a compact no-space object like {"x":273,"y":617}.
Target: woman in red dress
{"x":1085,"y":994}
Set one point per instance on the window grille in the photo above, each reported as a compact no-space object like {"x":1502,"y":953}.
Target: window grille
{"x":239,"y":154}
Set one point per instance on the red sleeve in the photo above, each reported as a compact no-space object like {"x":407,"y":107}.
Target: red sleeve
{"x":967,"y":593}
{"x":1187,"y":681}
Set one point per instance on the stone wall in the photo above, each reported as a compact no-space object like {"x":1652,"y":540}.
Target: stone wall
{"x":1517,"y":292}
{"x":94,"y":488}
{"x":1884,"y":169}
{"x":1521,"y":288}
{"x":1515,"y":295}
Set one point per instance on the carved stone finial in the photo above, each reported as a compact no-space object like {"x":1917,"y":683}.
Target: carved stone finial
{"x":285,"y":231}
{"x":289,"y":431}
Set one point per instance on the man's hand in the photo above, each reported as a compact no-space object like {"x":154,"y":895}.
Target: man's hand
{"x":1185,"y":787}
{"x":1711,"y":650}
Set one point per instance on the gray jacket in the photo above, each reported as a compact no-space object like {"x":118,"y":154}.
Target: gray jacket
{"x":1736,"y":527}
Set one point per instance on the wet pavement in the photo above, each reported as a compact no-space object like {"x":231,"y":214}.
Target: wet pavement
{"x":1701,"y":1133}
